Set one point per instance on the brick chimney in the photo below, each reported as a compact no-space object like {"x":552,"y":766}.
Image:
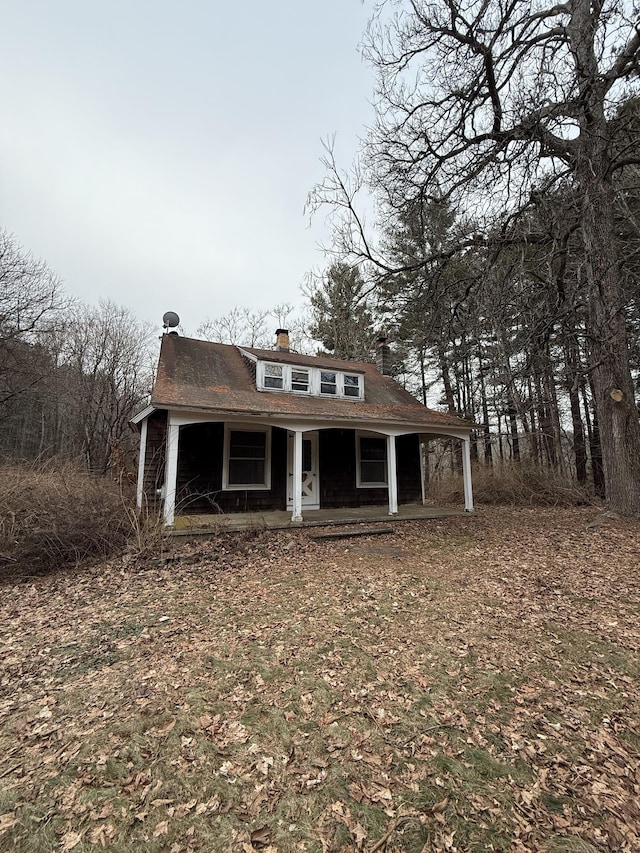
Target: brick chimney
{"x":282,"y":340}
{"x":383,"y":356}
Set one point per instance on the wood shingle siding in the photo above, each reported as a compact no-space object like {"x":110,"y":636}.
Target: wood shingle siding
{"x":337,"y":452}
{"x":199,"y":483}
{"x":154,"y":458}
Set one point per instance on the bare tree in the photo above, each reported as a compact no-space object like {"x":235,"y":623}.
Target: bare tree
{"x":104,"y":375}
{"x":487,"y":103}
{"x":240,"y":326}
{"x":254,"y":327}
{"x":31,"y":304}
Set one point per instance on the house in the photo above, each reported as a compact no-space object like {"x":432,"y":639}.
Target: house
{"x":236,"y":429}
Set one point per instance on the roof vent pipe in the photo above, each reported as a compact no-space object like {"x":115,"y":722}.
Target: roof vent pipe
{"x":282,"y":340}
{"x":383,"y":356}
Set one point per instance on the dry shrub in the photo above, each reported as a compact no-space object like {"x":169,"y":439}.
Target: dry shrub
{"x":147,"y":533}
{"x":513,"y":485}
{"x":54,"y":514}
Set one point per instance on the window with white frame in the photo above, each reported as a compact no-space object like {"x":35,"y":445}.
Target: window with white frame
{"x":315,"y":381}
{"x":274,"y":376}
{"x":246,"y":458}
{"x":328,"y":382}
{"x":351,"y":385}
{"x":300,"y":380}
{"x":371,"y":469}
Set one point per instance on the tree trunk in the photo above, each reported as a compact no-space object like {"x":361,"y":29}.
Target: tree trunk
{"x":456,"y":448}
{"x":571,"y":365}
{"x":606,"y":329}
{"x":609,"y":362}
{"x":486,"y":429}
{"x":513,"y":424}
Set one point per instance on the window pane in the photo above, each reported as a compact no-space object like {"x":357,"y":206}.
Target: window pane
{"x":246,"y":472}
{"x":299,"y":380}
{"x":273,"y":376}
{"x":327,"y":382}
{"x":373,"y":459}
{"x":373,"y":472}
{"x":247,"y":445}
{"x":351,"y":385}
{"x":307,"y":455}
{"x":247,"y":457}
{"x":372,"y":448}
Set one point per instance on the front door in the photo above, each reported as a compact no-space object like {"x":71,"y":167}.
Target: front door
{"x":310,"y":486}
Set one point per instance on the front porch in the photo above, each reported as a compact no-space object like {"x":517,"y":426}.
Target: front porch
{"x":201,"y":525}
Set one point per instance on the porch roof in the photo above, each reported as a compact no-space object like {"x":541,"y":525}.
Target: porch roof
{"x":202,"y":376}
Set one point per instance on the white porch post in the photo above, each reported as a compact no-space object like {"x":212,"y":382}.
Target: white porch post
{"x":466,"y":474}
{"x":297,"y":476}
{"x":392,"y":475}
{"x":171,"y":472}
{"x":141,"y":460}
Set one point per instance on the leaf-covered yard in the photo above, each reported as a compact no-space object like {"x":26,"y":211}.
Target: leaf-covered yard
{"x":466,"y":684}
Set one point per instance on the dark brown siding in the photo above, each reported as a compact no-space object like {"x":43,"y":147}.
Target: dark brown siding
{"x":337,"y":452}
{"x":154,"y":457}
{"x":408,"y":465}
{"x":199,"y":486}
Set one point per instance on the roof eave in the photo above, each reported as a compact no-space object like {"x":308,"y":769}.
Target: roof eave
{"x":144,"y":413}
{"x":418,"y":426}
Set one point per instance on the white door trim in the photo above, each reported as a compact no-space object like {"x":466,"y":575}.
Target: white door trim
{"x":310,"y":478}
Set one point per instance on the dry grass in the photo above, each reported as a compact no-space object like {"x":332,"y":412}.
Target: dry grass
{"x":465,"y":684}
{"x":513,"y":485}
{"x":53,"y":514}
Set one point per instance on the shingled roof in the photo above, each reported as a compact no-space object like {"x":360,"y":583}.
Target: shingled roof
{"x":198,"y":375}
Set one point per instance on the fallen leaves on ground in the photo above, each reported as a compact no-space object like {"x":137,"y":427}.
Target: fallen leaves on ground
{"x":461,"y":684}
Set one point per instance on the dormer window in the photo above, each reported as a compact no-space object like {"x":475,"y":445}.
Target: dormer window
{"x":351,"y":385}
{"x":300,"y":380}
{"x":313,"y":381}
{"x":328,"y":382}
{"x":273,"y":376}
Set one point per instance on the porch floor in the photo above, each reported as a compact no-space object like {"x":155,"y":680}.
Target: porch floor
{"x":190,"y":525}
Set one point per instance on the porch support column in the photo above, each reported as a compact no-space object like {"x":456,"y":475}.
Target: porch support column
{"x":171,"y":472}
{"x":392,"y":475}
{"x":297,"y":476}
{"x":141,"y":460}
{"x":466,"y":474}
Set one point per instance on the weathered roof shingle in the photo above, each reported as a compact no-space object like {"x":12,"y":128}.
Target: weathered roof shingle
{"x":204,"y":376}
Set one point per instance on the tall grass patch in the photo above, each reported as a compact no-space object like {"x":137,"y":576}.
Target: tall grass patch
{"x":513,"y":485}
{"x":53,"y":514}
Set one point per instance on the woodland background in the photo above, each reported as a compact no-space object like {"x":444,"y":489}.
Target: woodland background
{"x":490,"y":228}
{"x":466,"y":684}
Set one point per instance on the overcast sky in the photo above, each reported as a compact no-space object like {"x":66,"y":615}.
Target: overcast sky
{"x":160,"y":153}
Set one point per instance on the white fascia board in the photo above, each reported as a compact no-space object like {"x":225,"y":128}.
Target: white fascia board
{"x":137,"y":419}
{"x":304,"y":424}
{"x":381,"y":427}
{"x":246,"y":354}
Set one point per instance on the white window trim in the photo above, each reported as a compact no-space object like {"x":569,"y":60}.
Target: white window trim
{"x":281,"y":376}
{"x":360,"y":378}
{"x":254,"y":487}
{"x":314,"y":374}
{"x":359,"y":483}
{"x":306,"y":370}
